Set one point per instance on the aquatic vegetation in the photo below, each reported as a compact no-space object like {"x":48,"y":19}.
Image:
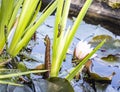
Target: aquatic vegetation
{"x":62,"y":38}
{"x":26,"y":26}
{"x":15,"y":37}
{"x":27,"y":23}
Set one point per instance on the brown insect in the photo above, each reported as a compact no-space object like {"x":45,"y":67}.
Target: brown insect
{"x":59,"y":30}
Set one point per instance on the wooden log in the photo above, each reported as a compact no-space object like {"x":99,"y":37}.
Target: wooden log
{"x":98,"y":13}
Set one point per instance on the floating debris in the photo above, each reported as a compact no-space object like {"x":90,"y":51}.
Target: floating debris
{"x":40,"y":67}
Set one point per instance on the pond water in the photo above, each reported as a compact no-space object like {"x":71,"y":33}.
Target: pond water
{"x":106,"y":69}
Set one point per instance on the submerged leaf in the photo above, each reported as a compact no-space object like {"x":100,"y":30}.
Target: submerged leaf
{"x":110,"y":58}
{"x":100,"y":38}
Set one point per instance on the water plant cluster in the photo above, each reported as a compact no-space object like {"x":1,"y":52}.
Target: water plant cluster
{"x":19,"y":19}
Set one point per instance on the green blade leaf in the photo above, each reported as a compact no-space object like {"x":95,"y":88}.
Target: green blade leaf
{"x":25,"y":16}
{"x":67,"y":40}
{"x":10,"y":83}
{"x":5,"y":15}
{"x":21,"y":73}
{"x":17,"y":7}
{"x":23,"y":42}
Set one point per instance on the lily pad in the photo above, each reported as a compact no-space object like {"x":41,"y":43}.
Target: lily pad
{"x":64,"y":85}
{"x":52,"y":85}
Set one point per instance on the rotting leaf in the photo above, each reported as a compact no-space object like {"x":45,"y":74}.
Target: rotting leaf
{"x":40,"y":67}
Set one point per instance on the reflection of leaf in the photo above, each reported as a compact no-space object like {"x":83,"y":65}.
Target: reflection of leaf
{"x":110,"y":58}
